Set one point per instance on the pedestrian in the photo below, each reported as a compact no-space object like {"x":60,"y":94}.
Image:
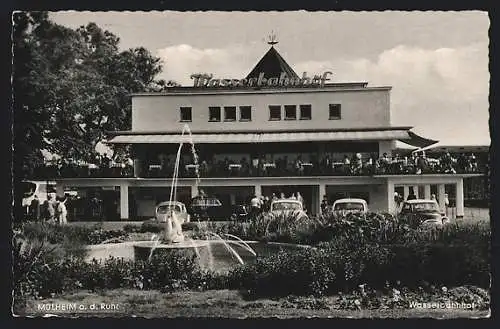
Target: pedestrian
{"x":411,"y":196}
{"x":300,"y":198}
{"x":282,"y":196}
{"x":51,"y":211}
{"x":62,"y":211}
{"x":255,"y":206}
{"x":324,"y":205}
{"x":293,"y":197}
{"x":35,"y":208}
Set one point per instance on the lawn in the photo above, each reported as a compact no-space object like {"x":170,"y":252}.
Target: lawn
{"x":222,"y":304}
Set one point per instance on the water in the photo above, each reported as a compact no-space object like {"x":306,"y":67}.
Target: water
{"x":157,"y":240}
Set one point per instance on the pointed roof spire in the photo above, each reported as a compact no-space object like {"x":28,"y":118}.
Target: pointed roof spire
{"x":272,"y":39}
{"x":272,"y":64}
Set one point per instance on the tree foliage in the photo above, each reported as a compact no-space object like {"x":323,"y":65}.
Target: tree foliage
{"x":71,"y":86}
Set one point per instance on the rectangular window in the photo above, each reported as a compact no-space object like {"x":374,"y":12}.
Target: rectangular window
{"x":290,"y":112}
{"x":245,"y":113}
{"x":186,"y":115}
{"x":274,"y":112}
{"x":305,"y":112}
{"x":335,"y":113}
{"x":229,"y":113}
{"x":214,"y":114}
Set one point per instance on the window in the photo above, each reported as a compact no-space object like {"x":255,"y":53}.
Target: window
{"x":229,"y":113}
{"x":305,"y":112}
{"x":335,"y":113}
{"x":214,"y":114}
{"x":290,"y":112}
{"x":245,"y":113}
{"x":274,"y":112}
{"x":186,"y":114}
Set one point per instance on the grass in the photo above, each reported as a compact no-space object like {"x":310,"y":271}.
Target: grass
{"x":218,"y":304}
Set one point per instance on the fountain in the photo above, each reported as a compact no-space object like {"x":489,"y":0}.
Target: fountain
{"x":173,"y":237}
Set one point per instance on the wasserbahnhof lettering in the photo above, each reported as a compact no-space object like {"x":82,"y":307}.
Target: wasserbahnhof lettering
{"x":206,"y":80}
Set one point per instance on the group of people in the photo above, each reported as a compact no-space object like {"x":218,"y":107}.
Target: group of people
{"x":326,"y":164}
{"x":102,"y":166}
{"x":259,"y":204}
{"x":51,"y":210}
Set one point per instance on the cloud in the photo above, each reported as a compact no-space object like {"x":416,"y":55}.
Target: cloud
{"x":183,"y":60}
{"x":442,"y":92}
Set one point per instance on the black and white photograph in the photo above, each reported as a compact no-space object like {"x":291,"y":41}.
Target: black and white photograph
{"x":210,"y":164}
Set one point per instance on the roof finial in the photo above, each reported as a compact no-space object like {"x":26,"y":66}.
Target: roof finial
{"x":272,"y":39}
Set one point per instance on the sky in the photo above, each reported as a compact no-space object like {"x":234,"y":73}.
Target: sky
{"x":436,"y":62}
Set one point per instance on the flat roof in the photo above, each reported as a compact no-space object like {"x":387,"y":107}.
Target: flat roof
{"x":331,"y":87}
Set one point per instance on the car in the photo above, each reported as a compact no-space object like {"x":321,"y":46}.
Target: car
{"x":163,"y":209}
{"x":350,"y":205}
{"x":209,"y":208}
{"x":422,"y":213}
{"x":283,"y":206}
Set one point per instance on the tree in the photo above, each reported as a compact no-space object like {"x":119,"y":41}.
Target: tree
{"x":71,"y":86}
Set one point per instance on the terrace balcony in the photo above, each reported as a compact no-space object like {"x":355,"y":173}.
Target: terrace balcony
{"x":246,"y":170}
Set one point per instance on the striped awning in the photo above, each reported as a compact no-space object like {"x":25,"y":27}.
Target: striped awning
{"x":221,"y":138}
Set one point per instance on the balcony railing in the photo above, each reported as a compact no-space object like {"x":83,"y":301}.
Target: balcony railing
{"x":263,"y":169}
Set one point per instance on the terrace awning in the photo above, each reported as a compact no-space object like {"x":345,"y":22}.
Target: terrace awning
{"x":273,"y":137}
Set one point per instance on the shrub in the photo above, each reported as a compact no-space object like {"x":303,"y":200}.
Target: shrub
{"x":300,"y":273}
{"x":68,"y":234}
{"x":152,"y":226}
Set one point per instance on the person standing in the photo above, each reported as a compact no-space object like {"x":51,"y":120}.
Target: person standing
{"x":51,"y":211}
{"x":324,"y":205}
{"x":411,"y":195}
{"x":35,"y":208}
{"x":255,"y":206}
{"x":62,"y":211}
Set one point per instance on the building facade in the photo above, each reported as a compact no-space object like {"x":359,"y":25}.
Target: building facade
{"x":272,"y":132}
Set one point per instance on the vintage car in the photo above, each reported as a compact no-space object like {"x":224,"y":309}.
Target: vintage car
{"x":422,"y":213}
{"x":350,"y":205}
{"x":163,"y":210}
{"x":291,"y":206}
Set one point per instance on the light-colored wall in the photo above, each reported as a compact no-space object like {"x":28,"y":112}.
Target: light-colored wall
{"x":360,"y":109}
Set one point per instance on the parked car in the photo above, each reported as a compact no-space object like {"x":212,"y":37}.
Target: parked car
{"x":163,"y":209}
{"x":209,"y":208}
{"x":290,"y":206}
{"x":350,"y":205}
{"x":422,"y":213}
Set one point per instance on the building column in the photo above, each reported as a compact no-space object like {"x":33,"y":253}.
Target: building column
{"x":441,"y":192}
{"x":391,"y":205}
{"x":258,"y":190}
{"x":415,"y":190}
{"x":194,"y":190}
{"x":321,"y":194}
{"x":137,"y":168}
{"x":427,"y":191}
{"x":124,"y":209}
{"x":406,"y":192}
{"x":59,"y":189}
{"x":460,"y":198}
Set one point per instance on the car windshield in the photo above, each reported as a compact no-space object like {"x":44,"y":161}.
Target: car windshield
{"x":279,"y":206}
{"x":28,"y":189}
{"x":352,"y":206}
{"x":165,"y":208}
{"x":426,"y":206}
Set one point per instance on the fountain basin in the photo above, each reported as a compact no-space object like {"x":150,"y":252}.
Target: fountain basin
{"x":211,"y":254}
{"x":144,"y":251}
